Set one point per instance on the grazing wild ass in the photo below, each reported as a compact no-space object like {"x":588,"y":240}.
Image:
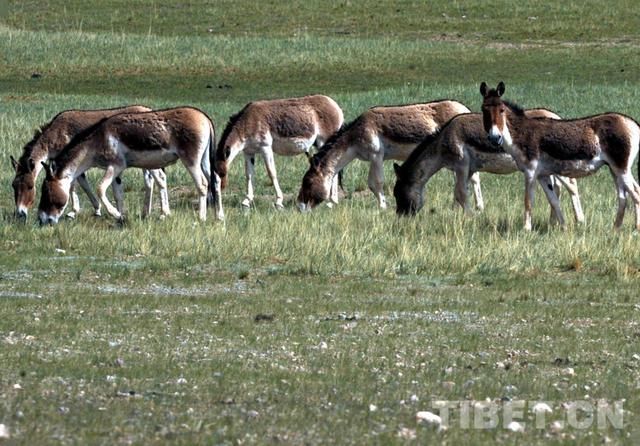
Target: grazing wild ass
{"x":574,"y":148}
{"x":378,"y":134}
{"x":282,"y":126}
{"x":463,"y":147}
{"x":46,"y":145}
{"x":149,"y":140}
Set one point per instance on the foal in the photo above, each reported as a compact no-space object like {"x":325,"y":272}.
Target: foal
{"x":463,"y":147}
{"x":282,"y":126}
{"x":46,"y":145}
{"x":378,"y":134}
{"x":149,"y":140}
{"x":575,"y":148}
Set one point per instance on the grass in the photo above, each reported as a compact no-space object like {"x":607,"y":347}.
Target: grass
{"x":333,"y":327}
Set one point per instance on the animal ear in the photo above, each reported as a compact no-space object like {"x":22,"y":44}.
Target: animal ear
{"x":47,"y":169}
{"x":31,"y":165}
{"x":14,"y":163}
{"x":483,"y":89}
{"x":309,"y":158}
{"x":396,"y":168}
{"x":500,"y":89}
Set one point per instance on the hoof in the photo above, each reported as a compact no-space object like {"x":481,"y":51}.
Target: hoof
{"x":71,"y":215}
{"x":246,"y":203}
{"x":279,"y":206}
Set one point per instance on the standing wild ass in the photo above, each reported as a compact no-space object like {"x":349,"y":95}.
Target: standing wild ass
{"x":282,"y":126}
{"x":149,"y":140}
{"x":48,"y":142}
{"x":463,"y":147}
{"x":575,"y":148}
{"x":378,"y":134}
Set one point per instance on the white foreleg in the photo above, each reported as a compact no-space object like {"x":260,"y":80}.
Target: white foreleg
{"x":110,"y":174}
{"x":249,"y":172}
{"x":376,"y":180}
{"x":554,"y":202}
{"x":477,"y":190}
{"x":148,"y":193}
{"x":270,"y":163}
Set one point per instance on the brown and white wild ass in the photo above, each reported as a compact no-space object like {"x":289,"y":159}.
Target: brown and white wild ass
{"x":282,"y":126}
{"x":574,"y":148}
{"x":378,"y":134}
{"x":149,"y":140}
{"x":463,"y":147}
{"x":48,"y":142}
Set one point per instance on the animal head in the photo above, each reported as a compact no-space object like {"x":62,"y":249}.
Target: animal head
{"x":24,"y":187}
{"x":494,"y":113}
{"x":408,"y":194}
{"x":315,"y":186}
{"x":54,"y":196}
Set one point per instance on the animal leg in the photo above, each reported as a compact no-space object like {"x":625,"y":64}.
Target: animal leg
{"x":571,"y":184}
{"x":84,"y":184}
{"x":460,"y":189}
{"x":160,"y":177}
{"x":202,"y":187}
{"x":477,"y":191}
{"x":75,"y":201}
{"x":529,"y":194}
{"x":548,"y":186}
{"x":631,"y":188}
{"x":110,"y":174}
{"x":270,"y":164}
{"x":217,"y":184}
{"x":148,"y":193}
{"x":376,"y":181}
{"x":118,"y":194}
{"x":249,"y":171}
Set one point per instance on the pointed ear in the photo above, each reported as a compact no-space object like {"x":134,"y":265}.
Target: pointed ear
{"x":396,"y":169}
{"x":500,"y":88}
{"x":14,"y":163}
{"x":483,"y":89}
{"x":47,"y":169}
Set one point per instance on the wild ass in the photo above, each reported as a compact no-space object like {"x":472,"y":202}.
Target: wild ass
{"x":149,"y":140}
{"x":575,"y":148}
{"x":48,"y":142}
{"x":463,"y":147}
{"x":378,"y":134}
{"x":282,"y":126}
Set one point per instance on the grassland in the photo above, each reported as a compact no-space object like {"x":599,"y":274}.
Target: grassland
{"x":336,"y":326}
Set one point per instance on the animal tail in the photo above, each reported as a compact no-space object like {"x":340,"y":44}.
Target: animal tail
{"x":209,"y":166}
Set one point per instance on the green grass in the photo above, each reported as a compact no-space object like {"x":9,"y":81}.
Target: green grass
{"x":278,"y":327}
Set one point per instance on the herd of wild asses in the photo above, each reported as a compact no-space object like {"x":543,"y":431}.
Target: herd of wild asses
{"x":502,"y":139}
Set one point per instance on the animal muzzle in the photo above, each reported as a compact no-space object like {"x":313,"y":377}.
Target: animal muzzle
{"x":46,"y":219}
{"x":495,"y":137}
{"x":21,"y":214}
{"x":304,"y":207}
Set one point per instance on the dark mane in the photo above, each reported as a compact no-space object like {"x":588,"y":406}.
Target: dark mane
{"x":515,"y":108}
{"x":326,"y":148}
{"x":67,"y":151}
{"x":233,"y":119}
{"x":413,"y":103}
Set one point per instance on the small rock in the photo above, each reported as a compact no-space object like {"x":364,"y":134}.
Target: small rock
{"x":323,"y":346}
{"x":414,"y":398}
{"x":515,"y":426}
{"x":407,"y":434}
{"x":372,"y":407}
{"x":556,"y":427}
{"x":4,"y":432}
{"x":253,"y":414}
{"x":17,"y":386}
{"x":448,"y":385}
{"x":569,"y":371}
{"x":181,"y":381}
{"x":429,"y":418}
